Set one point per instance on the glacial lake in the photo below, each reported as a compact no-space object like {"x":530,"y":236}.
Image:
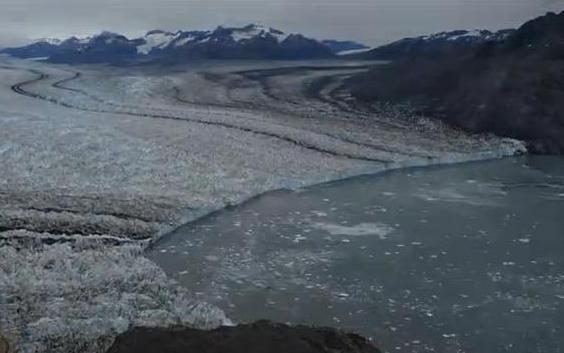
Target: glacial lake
{"x":461,"y":258}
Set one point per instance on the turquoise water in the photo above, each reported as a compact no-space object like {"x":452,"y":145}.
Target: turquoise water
{"x":465,"y":258}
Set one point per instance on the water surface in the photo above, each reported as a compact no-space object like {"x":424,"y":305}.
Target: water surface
{"x":465,"y":258}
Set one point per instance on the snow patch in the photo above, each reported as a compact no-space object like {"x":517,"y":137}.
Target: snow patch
{"x":156,"y":40}
{"x":353,"y":51}
{"x":252,"y":31}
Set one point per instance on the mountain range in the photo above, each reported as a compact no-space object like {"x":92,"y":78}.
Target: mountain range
{"x":249,"y":42}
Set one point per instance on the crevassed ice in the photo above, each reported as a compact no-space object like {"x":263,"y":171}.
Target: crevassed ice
{"x":71,"y":300}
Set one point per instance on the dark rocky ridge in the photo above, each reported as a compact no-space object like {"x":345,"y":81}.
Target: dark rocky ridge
{"x":259,"y":337}
{"x":513,"y":88}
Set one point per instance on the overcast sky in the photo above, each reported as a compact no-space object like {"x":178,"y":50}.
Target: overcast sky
{"x":370,"y":21}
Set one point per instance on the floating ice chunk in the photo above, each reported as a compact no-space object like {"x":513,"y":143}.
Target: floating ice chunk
{"x":482,"y":198}
{"x":524,"y":240}
{"x":449,"y":335}
{"x":319,"y":213}
{"x":363,"y":229}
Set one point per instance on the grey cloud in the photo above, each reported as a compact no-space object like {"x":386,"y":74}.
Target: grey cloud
{"x":370,"y":21}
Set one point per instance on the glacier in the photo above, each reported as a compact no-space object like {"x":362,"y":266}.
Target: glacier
{"x":99,"y":162}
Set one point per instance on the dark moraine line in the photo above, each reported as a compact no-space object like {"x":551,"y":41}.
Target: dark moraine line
{"x":317,"y":85}
{"x":118,"y":215}
{"x":311,"y":92}
{"x":177,"y":97}
{"x":288,"y":70}
{"x":59,"y":84}
{"x":18,"y":88}
{"x":76,"y":76}
{"x":262,"y":75}
{"x":64,"y":239}
{"x":54,"y":230}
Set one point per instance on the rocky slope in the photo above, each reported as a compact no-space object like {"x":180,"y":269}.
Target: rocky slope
{"x":513,"y":87}
{"x":435,"y":45}
{"x":260,"y":337}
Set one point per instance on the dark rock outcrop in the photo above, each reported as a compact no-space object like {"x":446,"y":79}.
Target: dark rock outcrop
{"x":512,"y":88}
{"x":259,"y":337}
{"x":4,"y":345}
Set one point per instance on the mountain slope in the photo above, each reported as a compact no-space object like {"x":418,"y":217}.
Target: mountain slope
{"x":40,"y":49}
{"x":435,"y":45}
{"x":514,"y":87}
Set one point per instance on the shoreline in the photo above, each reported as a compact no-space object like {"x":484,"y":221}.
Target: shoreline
{"x":519,"y":150}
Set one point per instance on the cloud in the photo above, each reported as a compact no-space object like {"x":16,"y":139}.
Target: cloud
{"x":370,"y":21}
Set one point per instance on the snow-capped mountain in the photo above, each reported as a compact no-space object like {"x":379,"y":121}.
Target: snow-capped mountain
{"x":249,"y":42}
{"x":436,"y":45}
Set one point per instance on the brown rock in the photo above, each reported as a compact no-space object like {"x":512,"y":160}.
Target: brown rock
{"x":259,"y":337}
{"x":4,"y":345}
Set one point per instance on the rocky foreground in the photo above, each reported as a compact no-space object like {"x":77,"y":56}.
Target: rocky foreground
{"x":259,"y":337}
